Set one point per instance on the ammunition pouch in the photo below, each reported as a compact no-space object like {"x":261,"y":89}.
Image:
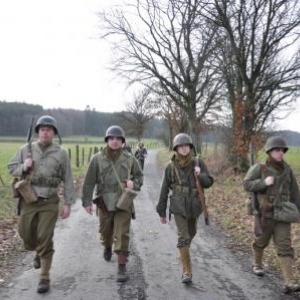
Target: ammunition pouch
{"x":184,"y":189}
{"x":286,"y":212}
{"x":125,"y":201}
{"x":99,"y":202}
{"x":45,"y":181}
{"x":25,"y":189}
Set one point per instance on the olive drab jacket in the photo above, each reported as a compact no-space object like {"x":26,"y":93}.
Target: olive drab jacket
{"x":101,"y":174}
{"x":50,"y":168}
{"x":184,"y":195}
{"x":285,"y":186}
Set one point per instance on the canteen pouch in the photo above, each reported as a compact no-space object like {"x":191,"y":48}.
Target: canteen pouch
{"x":286,"y":212}
{"x":125,"y":201}
{"x":25,"y":189}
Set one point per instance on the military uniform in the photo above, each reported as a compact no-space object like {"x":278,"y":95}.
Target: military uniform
{"x":184,"y":201}
{"x":106,"y":173}
{"x":141,"y":154}
{"x":284,"y":189}
{"x":37,"y":220}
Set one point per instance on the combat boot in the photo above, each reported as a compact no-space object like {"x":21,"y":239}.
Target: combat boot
{"x":290,"y":286}
{"x":107,"y":253}
{"x":186,"y":265}
{"x":122,"y":271}
{"x":44,"y":284}
{"x":257,"y":262}
{"x":36,"y":262}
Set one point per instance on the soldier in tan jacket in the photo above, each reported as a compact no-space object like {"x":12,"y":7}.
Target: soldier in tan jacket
{"x":46,"y":164}
{"x":274,"y":184}
{"x":110,"y":172}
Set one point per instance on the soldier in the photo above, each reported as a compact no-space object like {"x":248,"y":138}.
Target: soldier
{"x":184,"y":202}
{"x":47,"y":166}
{"x":141,"y":154}
{"x":274,"y":183}
{"x":111,"y":171}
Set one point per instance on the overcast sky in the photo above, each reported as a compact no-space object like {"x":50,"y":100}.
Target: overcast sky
{"x":50,"y":54}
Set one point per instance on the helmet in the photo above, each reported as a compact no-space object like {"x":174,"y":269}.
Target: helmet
{"x":182,"y":139}
{"x":116,"y":131}
{"x":276,"y":142}
{"x":46,"y":121}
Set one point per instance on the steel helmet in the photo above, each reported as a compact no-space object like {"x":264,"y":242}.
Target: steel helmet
{"x":116,"y":131}
{"x":276,"y":142}
{"x":182,"y":139}
{"x":46,"y":121}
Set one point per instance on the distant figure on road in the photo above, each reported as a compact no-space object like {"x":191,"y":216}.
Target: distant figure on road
{"x":140,"y":154}
{"x":115,"y":173}
{"x":179,"y":177}
{"x":274,"y":187}
{"x":126,"y":147}
{"x":45,"y":164}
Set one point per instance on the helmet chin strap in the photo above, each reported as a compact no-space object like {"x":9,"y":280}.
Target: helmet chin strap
{"x":60,"y":141}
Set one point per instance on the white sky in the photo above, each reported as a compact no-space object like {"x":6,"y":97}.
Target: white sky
{"x":50,"y":54}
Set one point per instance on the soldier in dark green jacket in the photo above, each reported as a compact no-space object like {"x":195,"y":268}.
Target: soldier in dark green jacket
{"x":179,"y":178}
{"x":274,"y":183}
{"x":46,"y":166}
{"x":109,"y":173}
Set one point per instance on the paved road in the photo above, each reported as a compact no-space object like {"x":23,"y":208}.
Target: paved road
{"x":80,"y":273}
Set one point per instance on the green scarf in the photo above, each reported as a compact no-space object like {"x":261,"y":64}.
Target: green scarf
{"x":278,"y":165}
{"x":183,"y":161}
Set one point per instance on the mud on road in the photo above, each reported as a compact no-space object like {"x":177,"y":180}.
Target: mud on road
{"x":80,"y":272}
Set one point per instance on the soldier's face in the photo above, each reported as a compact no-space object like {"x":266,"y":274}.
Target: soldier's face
{"x":184,"y":150}
{"x":114,"y":142}
{"x":46,"y":134}
{"x":277,"y":154}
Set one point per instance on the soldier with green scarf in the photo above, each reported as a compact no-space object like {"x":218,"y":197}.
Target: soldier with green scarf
{"x":274,"y":185}
{"x":110,"y":172}
{"x":179,"y":179}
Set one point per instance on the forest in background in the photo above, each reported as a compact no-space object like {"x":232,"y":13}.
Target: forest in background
{"x":15,"y":119}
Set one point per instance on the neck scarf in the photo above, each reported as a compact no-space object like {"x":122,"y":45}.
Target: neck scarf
{"x":183,"y":161}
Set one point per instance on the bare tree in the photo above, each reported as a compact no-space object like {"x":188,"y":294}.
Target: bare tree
{"x":259,"y":61}
{"x":167,"y":42}
{"x":139,"y":112}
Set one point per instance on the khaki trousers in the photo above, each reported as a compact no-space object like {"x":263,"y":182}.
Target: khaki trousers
{"x":36,"y":226}
{"x":115,"y":227}
{"x":186,"y":230}
{"x":281,"y":234}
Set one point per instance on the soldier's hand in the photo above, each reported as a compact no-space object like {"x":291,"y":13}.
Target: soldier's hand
{"x":269,"y":180}
{"x":163,"y":220}
{"x":89,"y":209}
{"x":129,"y":184}
{"x":197,"y":170}
{"x":28,"y":163}
{"x":66,"y":211}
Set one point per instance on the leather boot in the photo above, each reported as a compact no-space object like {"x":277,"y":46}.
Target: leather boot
{"x":107,"y":253}
{"x":122,"y":271}
{"x":44,"y":284}
{"x":290,"y":286}
{"x":186,"y":265}
{"x":257,"y":262}
{"x":36,"y":262}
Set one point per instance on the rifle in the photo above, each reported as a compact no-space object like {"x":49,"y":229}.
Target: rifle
{"x":29,"y":154}
{"x":201,"y":195}
{"x":257,"y":212}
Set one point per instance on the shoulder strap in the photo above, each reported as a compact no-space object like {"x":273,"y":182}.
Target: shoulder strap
{"x":174,"y":172}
